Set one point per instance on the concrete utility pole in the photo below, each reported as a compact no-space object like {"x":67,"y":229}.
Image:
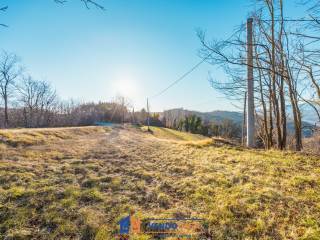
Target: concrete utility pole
{"x":133,"y":117}
{"x":250,"y":94}
{"x":244,"y":119}
{"x":123,"y":110}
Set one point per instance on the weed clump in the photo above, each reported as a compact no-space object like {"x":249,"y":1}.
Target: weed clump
{"x":163,"y":200}
{"x":91,"y":196}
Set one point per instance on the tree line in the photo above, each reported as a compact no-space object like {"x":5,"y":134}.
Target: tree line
{"x":286,"y":68}
{"x":181,"y":120}
{"x":27,"y":102}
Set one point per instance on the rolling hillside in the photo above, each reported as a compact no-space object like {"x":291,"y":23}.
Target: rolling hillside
{"x":214,"y":116}
{"x":237,"y":117}
{"x":76,"y":183}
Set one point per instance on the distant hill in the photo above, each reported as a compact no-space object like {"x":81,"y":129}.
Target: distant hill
{"x":308,"y":113}
{"x":237,"y":117}
{"x":214,"y":116}
{"x":218,"y":116}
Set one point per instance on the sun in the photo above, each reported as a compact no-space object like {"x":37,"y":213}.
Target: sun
{"x":126,"y":87}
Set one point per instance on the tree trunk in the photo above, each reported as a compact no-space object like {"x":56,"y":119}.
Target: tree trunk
{"x":314,"y":82}
{"x":283,"y":116}
{"x":273,"y":77}
{"x":296,"y":112}
{"x":270,"y":118}
{"x":264,"y":109}
{"x":281,"y":87}
{"x":6,"y":116}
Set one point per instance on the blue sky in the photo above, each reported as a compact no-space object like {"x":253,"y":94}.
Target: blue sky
{"x":134,"y":48}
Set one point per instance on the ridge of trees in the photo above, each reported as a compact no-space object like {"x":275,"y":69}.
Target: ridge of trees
{"x":182,"y":120}
{"x":27,"y":102}
{"x":286,"y":68}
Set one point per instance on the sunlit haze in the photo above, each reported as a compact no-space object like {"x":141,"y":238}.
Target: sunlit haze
{"x":135,"y":48}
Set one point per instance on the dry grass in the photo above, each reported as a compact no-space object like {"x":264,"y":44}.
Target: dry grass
{"x":312,"y":144}
{"x":28,"y":137}
{"x":80,"y":185}
{"x":172,"y":135}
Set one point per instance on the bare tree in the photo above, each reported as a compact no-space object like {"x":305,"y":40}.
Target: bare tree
{"x":276,"y":73}
{"x":121,"y":106}
{"x":87,"y":3}
{"x":3,"y":9}
{"x":308,"y":55}
{"x":10,"y":71}
{"x":38,"y":100}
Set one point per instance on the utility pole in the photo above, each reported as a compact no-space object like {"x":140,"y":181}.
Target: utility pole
{"x":250,"y":94}
{"x":148,"y":119}
{"x":244,"y":119}
{"x":133,"y":118}
{"x":123,"y":110}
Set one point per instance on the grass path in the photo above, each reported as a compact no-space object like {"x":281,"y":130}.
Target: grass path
{"x":77,"y":183}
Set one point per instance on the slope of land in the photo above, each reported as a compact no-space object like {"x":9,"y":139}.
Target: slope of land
{"x":173,"y":135}
{"x":76,"y":183}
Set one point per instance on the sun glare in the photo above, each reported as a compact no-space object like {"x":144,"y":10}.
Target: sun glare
{"x":126,"y":87}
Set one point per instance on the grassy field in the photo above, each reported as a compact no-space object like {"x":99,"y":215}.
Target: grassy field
{"x":76,"y":183}
{"x":173,"y":135}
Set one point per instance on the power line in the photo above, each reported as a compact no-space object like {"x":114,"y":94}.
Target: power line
{"x":188,"y":72}
{"x":291,"y":20}
{"x":182,"y":77}
{"x":204,"y":59}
